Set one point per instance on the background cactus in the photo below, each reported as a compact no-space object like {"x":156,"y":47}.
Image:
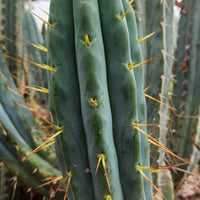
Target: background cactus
{"x":186,"y":91}
{"x":11,"y":20}
{"x":19,"y":134}
{"x":35,"y":76}
{"x":158,"y":76}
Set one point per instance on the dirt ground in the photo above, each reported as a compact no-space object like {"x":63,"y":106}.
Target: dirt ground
{"x":190,"y":190}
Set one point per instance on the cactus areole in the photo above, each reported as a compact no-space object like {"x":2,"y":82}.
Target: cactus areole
{"x":94,"y":96}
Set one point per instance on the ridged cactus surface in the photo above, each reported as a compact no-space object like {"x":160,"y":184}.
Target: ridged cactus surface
{"x":137,"y":56}
{"x":33,"y":75}
{"x":97,"y":98}
{"x":16,"y":136}
{"x":11,"y":20}
{"x":158,"y":18}
{"x":186,"y":91}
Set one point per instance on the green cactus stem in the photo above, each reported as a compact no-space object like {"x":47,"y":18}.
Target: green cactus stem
{"x":94,"y":96}
{"x":136,"y":55}
{"x":186,"y":97}
{"x":73,"y":154}
{"x":11,"y":26}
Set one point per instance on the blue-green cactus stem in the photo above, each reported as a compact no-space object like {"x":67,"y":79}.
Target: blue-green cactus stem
{"x":123,"y":96}
{"x":154,"y":69}
{"x":9,"y":156}
{"x":33,"y":75}
{"x":187,"y":73}
{"x":66,"y":100}
{"x":136,"y":55}
{"x":8,"y":96}
{"x":34,"y":161}
{"x":165,"y":181}
{"x":18,"y":128}
{"x":140,"y":13}
{"x":11,"y":27}
{"x":96,"y":112}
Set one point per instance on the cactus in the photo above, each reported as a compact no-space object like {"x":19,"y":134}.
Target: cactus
{"x":136,"y":55}
{"x":140,"y":13}
{"x":16,"y":138}
{"x":165,"y":181}
{"x":17,"y":124}
{"x":11,"y":20}
{"x":186,"y":98}
{"x":158,"y":76}
{"x":96,"y":98}
{"x":93,"y":78}
{"x":31,"y":36}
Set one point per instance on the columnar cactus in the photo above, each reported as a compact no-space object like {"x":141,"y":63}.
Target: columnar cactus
{"x":96,"y":95}
{"x":186,"y":98}
{"x":158,"y":75}
{"x":16,"y":137}
{"x":92,"y":46}
{"x":33,"y":75}
{"x":136,"y":55}
{"x":11,"y":21}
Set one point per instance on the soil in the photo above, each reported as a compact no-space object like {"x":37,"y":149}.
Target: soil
{"x":190,"y":189}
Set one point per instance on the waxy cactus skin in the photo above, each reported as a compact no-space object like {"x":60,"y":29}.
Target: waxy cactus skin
{"x":97,"y":98}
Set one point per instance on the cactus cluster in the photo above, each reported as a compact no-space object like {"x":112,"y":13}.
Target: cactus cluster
{"x":100,"y":122}
{"x":19,"y":130}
